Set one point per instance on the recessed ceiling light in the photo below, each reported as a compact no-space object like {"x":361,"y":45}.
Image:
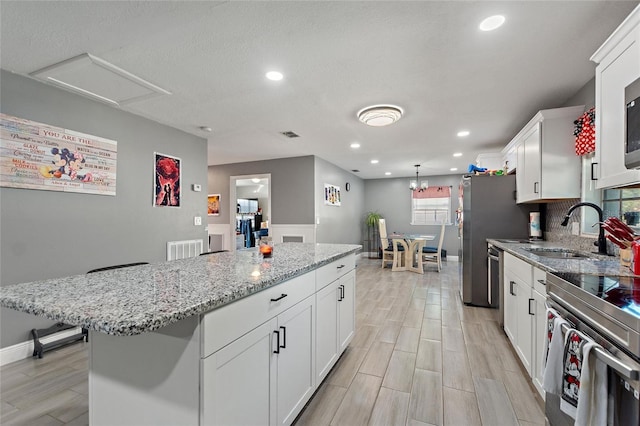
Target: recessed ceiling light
{"x":463,"y":133}
{"x":491,"y":23}
{"x":374,"y":161}
{"x":387,"y":173}
{"x":255,"y":180}
{"x":355,"y":145}
{"x":457,"y":154}
{"x":206,"y":129}
{"x":453,"y":169}
{"x":274,"y":75}
{"x":380,"y":115}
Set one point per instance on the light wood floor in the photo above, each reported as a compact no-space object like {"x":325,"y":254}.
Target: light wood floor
{"x":419,"y":357}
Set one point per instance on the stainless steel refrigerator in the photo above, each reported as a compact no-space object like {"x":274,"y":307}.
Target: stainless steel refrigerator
{"x":489,"y":210}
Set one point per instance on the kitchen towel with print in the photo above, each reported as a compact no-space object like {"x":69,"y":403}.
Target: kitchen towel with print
{"x":553,"y":352}
{"x":584,"y":381}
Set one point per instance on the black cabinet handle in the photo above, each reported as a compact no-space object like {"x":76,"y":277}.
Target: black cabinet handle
{"x":511,"y":283}
{"x":279,"y":298}
{"x":543,"y":282}
{"x":277,"y":333}
{"x":284,"y":337}
{"x":341,"y":296}
{"x":593,"y":172}
{"x":530,"y":313}
{"x":340,"y":267}
{"x":535,"y":187}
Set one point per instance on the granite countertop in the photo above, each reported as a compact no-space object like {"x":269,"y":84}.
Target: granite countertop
{"x":144,"y":298}
{"x":593,"y":263}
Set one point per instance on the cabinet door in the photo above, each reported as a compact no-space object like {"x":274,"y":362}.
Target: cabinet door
{"x":524,"y":333}
{"x":529,"y":185}
{"x":295,"y":360}
{"x":238,"y":381}
{"x":539,"y":335}
{"x":347,"y":310}
{"x":510,"y":309}
{"x":326,"y":329}
{"x":619,"y":68}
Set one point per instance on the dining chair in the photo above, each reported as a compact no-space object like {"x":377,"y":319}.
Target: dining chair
{"x":387,"y":250}
{"x":428,"y":256}
{"x":400,"y":252}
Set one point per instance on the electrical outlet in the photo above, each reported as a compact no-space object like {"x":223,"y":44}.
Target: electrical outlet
{"x":197,"y":187}
{"x":197,"y":221}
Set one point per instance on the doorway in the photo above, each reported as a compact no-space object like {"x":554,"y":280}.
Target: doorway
{"x":251,"y":212}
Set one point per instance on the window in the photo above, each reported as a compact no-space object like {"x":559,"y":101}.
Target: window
{"x":431,"y":206}
{"x":622,"y":203}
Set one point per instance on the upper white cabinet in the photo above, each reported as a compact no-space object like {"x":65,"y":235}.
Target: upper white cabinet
{"x":547,"y":167}
{"x":618,"y":62}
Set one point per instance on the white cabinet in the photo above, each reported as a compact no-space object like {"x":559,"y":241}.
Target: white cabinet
{"x":335,"y":301}
{"x":237,"y":385}
{"x":524,"y":314}
{"x":547,"y":167}
{"x":265,"y":376}
{"x":618,"y":62}
{"x":295,"y":359}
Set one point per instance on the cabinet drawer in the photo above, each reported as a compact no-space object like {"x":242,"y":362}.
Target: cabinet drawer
{"x":518,"y":267}
{"x":334,"y":270}
{"x":539,"y":281}
{"x":222,"y":326}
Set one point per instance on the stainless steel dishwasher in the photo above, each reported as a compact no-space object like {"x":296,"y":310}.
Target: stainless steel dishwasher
{"x":495,"y":295}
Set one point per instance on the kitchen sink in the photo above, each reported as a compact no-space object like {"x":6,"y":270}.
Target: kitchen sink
{"x":513,"y":241}
{"x":557,"y":253}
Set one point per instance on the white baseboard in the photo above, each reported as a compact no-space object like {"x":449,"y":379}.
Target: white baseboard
{"x":25,"y":349}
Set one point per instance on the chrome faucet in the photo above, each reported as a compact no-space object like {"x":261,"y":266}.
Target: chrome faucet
{"x":602,"y":242}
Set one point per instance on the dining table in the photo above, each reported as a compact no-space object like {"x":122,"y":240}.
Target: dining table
{"x":412,"y":245}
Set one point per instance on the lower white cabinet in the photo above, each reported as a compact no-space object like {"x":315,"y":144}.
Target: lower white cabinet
{"x":238,"y":381}
{"x":335,"y":325}
{"x":524,"y":314}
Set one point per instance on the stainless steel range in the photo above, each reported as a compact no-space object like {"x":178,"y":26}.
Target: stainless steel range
{"x":607,"y":308}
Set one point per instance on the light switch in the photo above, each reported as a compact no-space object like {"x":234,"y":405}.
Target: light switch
{"x":197,"y":221}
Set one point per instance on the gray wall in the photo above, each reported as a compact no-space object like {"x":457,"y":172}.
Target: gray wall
{"x":291,"y":188}
{"x":338,"y":224}
{"x":392,"y":199}
{"x":46,"y":234}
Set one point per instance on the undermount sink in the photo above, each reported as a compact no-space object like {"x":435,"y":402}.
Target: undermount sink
{"x":557,"y":253}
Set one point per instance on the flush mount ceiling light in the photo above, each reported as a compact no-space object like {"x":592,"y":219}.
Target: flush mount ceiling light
{"x":491,"y":23}
{"x":380,"y":115}
{"x":374,"y":161}
{"x":387,"y":173}
{"x":90,"y":76}
{"x":355,"y":145}
{"x":457,"y":154}
{"x":463,"y":133}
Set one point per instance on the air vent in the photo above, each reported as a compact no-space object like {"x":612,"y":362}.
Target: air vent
{"x":290,"y":134}
{"x":355,"y":171}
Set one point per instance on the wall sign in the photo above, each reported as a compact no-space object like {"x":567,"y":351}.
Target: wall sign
{"x":331,"y":195}
{"x":39,"y":156}
{"x":167,"y":180}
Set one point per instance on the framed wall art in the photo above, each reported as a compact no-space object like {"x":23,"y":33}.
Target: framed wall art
{"x":168,"y":171}
{"x":331,"y":195}
{"x":39,"y":156}
{"x":213,"y":204}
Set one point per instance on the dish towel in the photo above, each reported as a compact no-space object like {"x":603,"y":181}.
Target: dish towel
{"x":584,"y":381}
{"x":553,"y":352}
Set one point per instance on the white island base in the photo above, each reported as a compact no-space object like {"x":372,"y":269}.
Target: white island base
{"x":255,"y":361}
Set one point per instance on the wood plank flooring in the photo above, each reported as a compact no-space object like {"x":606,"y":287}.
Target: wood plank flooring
{"x":419,"y":357}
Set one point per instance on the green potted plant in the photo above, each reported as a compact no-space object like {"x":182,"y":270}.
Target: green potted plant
{"x":371,"y":221}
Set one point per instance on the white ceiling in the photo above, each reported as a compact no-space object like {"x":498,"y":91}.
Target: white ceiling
{"x":337,"y":57}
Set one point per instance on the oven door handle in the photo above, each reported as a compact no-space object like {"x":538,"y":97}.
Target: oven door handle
{"x":630,"y":372}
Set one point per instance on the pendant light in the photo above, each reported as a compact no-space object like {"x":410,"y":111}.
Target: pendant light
{"x":414,"y":184}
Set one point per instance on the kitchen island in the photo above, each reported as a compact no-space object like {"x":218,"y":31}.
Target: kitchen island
{"x":228,"y":338}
